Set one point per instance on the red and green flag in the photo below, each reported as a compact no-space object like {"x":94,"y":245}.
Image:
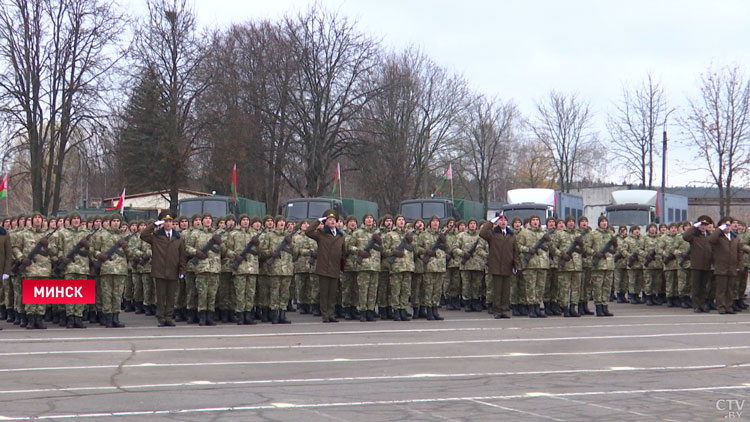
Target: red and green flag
{"x":336,"y":179}
{"x":446,"y":177}
{"x":4,"y":187}
{"x":234,"y":183}
{"x":120,"y":207}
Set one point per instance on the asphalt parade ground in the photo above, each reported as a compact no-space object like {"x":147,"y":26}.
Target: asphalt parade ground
{"x":646,"y":363}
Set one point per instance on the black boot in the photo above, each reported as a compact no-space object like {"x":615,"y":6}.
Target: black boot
{"x":11,"y":318}
{"x":129,"y":306}
{"x":572,"y":310}
{"x":282,"y":317}
{"x":539,"y":312}
{"x":586,"y":308}
{"x":404,"y":316}
{"x":70,"y":321}
{"x":56,"y":317}
{"x":202,"y":318}
{"x":556,"y":310}
{"x":273,"y":315}
{"x":524,"y":310}
{"x":222,"y":316}
{"x":599,"y":311}
{"x":390,"y":313}
{"x":179,"y":315}
{"x":514,"y":310}
{"x":566,"y":312}
{"x":477,"y":305}
{"x":370,"y":316}
{"x":436,"y":314}
{"x":422,"y":312}
{"x":450,"y":304}
{"x":430,"y":316}
{"x":22,"y":320}
{"x":138,"y":307}
{"x":62,"y":319}
{"x":633,"y":299}
{"x":148,"y":310}
{"x":316,"y":310}
{"x":107,"y":318}
{"x":547,"y":309}
{"x":3,"y":312}
{"x":248,"y":318}
{"x":532,"y":312}
{"x":339,"y":312}
{"x":348,"y":313}
{"x":605,"y":311}
{"x":116,"y":320}
{"x":210,"y":318}
{"x":39,"y":323}
{"x":290,"y":307}
{"x":30,"y":322}
{"x":48,"y":314}
{"x":265,"y":315}
{"x":78,"y":322}
{"x":650,"y":300}
{"x":469,"y":304}
{"x":363,"y":316}
{"x":580,"y":309}
{"x":621,"y":297}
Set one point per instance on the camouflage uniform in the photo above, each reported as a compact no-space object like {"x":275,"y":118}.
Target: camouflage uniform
{"x":281,"y":272}
{"x":672,"y":267}
{"x":569,"y":274}
{"x":206,"y":270}
{"x":621,"y":273}
{"x":472,"y":271}
{"x":741,"y":286}
{"x":586,"y":282}
{"x":400,"y":270}
{"x":601,"y":273}
{"x":535,"y":269}
{"x":417,"y":278}
{"x":16,"y":239}
{"x":653,"y":244}
{"x":134,"y":277}
{"x":368,"y":269}
{"x":113,"y":272}
{"x":41,"y":266}
{"x":435,"y":266}
{"x":452,"y":285}
{"x":245,"y":277}
{"x":78,"y":268}
{"x":305,"y":280}
{"x":191,"y":292}
{"x":348,"y":280}
{"x":225,"y":295}
{"x":518,"y":296}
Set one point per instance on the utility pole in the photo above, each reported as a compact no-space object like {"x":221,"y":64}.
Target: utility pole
{"x":663,"y":173}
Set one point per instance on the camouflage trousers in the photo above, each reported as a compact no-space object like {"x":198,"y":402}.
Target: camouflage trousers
{"x":206,"y":285}
{"x":432,"y":285}
{"x":535,"y":279}
{"x":400,"y":284}
{"x":307,"y":288}
{"x":518,"y":289}
{"x":453,"y":281}
{"x":18,"y":293}
{"x":98,"y":294}
{"x":683,"y":281}
{"x":7,"y":297}
{"x":244,"y":291}
{"x":417,"y":289}
{"x":278,"y":291}
{"x":112,"y":287}
{"x":75,"y":309}
{"x":262,"y":292}
{"x":635,"y":281}
{"x":225,"y":294}
{"x":586,"y":284}
{"x":489,"y":286}
{"x":551,"y":286}
{"x":148,"y":285}
{"x":348,"y":283}
{"x":653,"y":281}
{"x":30,"y":309}
{"x":384,"y":289}
{"x":621,"y":280}
{"x":137,"y":293}
{"x":129,"y":289}
{"x":600,"y":281}
{"x":367,"y":283}
{"x":740,"y":284}
{"x":570,"y":287}
{"x":191,"y":292}
{"x":471,"y":284}
{"x":670,"y":277}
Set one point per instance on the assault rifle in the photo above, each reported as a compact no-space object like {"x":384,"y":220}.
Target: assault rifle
{"x":375,"y":239}
{"x":283,"y":246}
{"x":437,"y":244}
{"x":247,"y":250}
{"x":209,"y":246}
{"x":649,"y":258}
{"x":113,"y":250}
{"x":20,"y":267}
{"x":632,"y":259}
{"x":405,"y":244}
{"x":539,"y":243}
{"x":686,"y":256}
{"x":78,"y":250}
{"x":605,"y":249}
{"x":569,"y":252}
{"x":470,"y":253}
{"x":671,"y":257}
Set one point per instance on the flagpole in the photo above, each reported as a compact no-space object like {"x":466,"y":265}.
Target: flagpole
{"x":341,"y":194}
{"x":451,"y":167}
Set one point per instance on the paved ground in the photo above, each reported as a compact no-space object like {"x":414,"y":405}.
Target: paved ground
{"x":646,"y":363}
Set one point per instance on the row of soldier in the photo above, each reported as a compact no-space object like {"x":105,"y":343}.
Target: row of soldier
{"x":257,"y":269}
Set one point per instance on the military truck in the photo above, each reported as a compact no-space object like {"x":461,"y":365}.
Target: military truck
{"x":544,"y":203}
{"x":219,"y":206}
{"x":643,"y":206}
{"x":130,"y":214}
{"x":444,"y":208}
{"x":299,"y":209}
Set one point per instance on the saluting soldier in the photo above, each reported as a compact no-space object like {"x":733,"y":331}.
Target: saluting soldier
{"x":700,"y":262}
{"x":727,"y":258}
{"x":331,"y":255}
{"x":502,"y":261}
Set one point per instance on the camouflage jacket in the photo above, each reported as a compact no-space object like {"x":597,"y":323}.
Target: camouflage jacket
{"x":41,"y":266}
{"x":437,"y":263}
{"x":527,"y":239}
{"x":653,"y":244}
{"x":464,"y":243}
{"x":135,"y":253}
{"x":144,"y":250}
{"x":452,"y":236}
{"x":384,"y":264}
{"x":680,"y":249}
{"x":594,"y":242}
{"x":283,"y":265}
{"x":621,"y":262}
{"x":238,"y":240}
{"x":197,"y":240}
{"x":586,"y":258}
{"x":350,"y":243}
{"x":226,"y":262}
{"x":16,"y":237}
{"x":670,"y":243}
{"x":632,"y":245}
{"x":303,"y":248}
{"x":561,"y":242}
{"x":418,"y":263}
{"x":102,"y":241}
{"x":186,"y":235}
{"x":390,"y":243}
{"x":362,"y":236}
{"x":65,"y":243}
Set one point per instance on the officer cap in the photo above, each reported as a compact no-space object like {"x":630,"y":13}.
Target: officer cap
{"x":724,"y":220}
{"x":166,"y":215}
{"x":704,"y":219}
{"x":330,"y":214}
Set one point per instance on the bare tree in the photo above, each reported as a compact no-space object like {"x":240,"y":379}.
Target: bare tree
{"x":488,"y":132}
{"x":633,"y":129}
{"x":55,"y":56}
{"x":717,"y":125}
{"x":334,"y":60}
{"x":563,"y":126}
{"x":534,"y":167}
{"x":167,"y":44}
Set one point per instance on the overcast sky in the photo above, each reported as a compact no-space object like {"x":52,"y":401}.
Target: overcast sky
{"x":521,"y":50}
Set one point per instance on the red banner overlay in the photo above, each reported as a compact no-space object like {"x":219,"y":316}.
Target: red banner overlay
{"x":58,"y":292}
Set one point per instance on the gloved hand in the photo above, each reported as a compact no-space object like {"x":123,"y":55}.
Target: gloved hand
{"x":217,"y":239}
{"x":364,"y":254}
{"x":723,"y":227}
{"x":255,"y":241}
{"x":288,"y":239}
{"x":84,"y":243}
{"x":6,"y":276}
{"x":579,"y":241}
{"x":44,"y":242}
{"x":430,"y":252}
{"x":158,"y":223}
{"x":200,"y":254}
{"x":398,"y":253}
{"x":442,"y":238}
{"x":532,"y":251}
{"x":377,"y":238}
{"x":26,"y":262}
{"x":697,"y":224}
{"x":323,"y":219}
{"x":545,"y":248}
{"x":494,"y":220}
{"x":466,"y":256}
{"x":102,"y":257}
{"x":123,"y":244}
{"x":238,"y":259}
{"x":566,"y":257}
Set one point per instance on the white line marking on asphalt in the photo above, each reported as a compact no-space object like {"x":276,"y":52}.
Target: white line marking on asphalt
{"x":203,"y":383}
{"x":219,"y":334}
{"x":536,"y":415}
{"x":374,"y":403}
{"x":601,"y":406}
